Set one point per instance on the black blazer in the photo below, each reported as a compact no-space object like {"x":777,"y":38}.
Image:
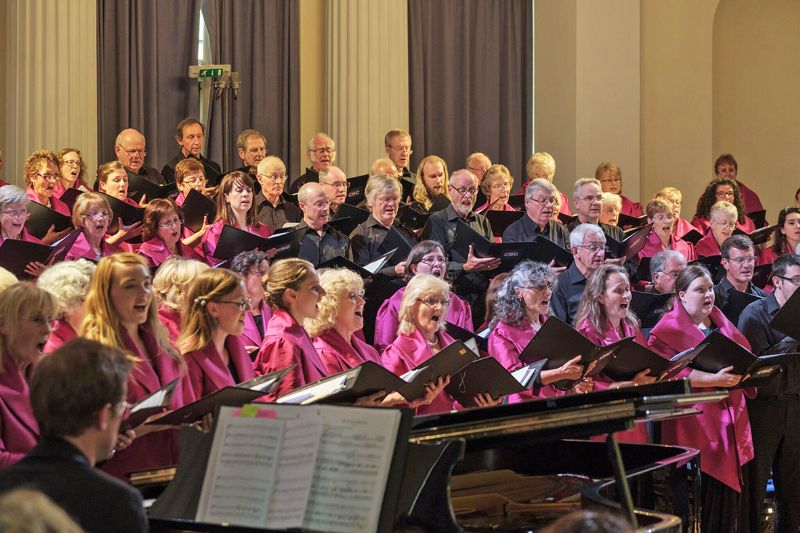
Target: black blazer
{"x":95,"y":500}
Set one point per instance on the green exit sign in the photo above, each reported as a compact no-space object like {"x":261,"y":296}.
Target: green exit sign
{"x":210,"y":72}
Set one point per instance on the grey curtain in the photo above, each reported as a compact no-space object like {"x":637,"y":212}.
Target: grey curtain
{"x":144,"y":50}
{"x":259,"y":39}
{"x":470,"y":84}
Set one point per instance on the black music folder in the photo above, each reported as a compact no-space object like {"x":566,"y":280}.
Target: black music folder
{"x":559,"y":342}
{"x":356,"y":189}
{"x":713,"y":264}
{"x":649,"y":307}
{"x":487,"y":376}
{"x":473,"y":341}
{"x":394,"y":241}
{"x":196,"y":207}
{"x":759,"y":236}
{"x":567,"y":219}
{"x":761,"y":275}
{"x":233,"y":241}
{"x":633,"y":358}
{"x":236,"y":396}
{"x":410,"y":218}
{"x":517,"y":201}
{"x":408,"y":189}
{"x":627,"y":222}
{"x":631,"y":245}
{"x":139,"y":186}
{"x":363,"y":380}
{"x":449,"y":360}
{"x":16,"y":254}
{"x":737,"y":301}
{"x":347,"y":217}
{"x":42,"y":217}
{"x":70,"y":195}
{"x":723,"y":352}
{"x":155,"y":402}
{"x":365,"y":271}
{"x":128,"y":213}
{"x":786,"y":319}
{"x":439,"y":203}
{"x":643,"y":270}
{"x":759,"y":218}
{"x":692,"y":236}
{"x":500,"y":220}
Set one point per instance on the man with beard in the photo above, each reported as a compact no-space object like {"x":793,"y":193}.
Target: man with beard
{"x":321,"y":242}
{"x":252,"y":148}
{"x":398,"y":148}
{"x":540,"y":197}
{"x":321,"y":153}
{"x":468,"y":273}
{"x":190,"y":136}
{"x":739,"y":261}
{"x":587,"y":196}
{"x":272,"y":209}
{"x":131,"y":150}
{"x":588,"y":244}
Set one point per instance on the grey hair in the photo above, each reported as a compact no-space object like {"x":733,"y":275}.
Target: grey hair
{"x":539,"y":184}
{"x":578,"y":235}
{"x":68,"y":282}
{"x":611,"y":198}
{"x":659,"y":261}
{"x":321,"y":134}
{"x":381,"y":183}
{"x":581,"y":182}
{"x":508,"y":307}
{"x":11,"y":194}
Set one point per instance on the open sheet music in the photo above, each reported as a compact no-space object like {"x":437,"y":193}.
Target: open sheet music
{"x":322,"y":468}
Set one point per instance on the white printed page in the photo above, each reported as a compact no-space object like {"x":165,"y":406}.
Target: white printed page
{"x":352,"y":469}
{"x":241,"y":470}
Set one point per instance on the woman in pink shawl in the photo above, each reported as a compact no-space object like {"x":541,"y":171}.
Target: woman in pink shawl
{"x":253,"y":267}
{"x":722,"y":431}
{"x":604,"y":317}
{"x":73,"y":172}
{"x":722,"y":190}
{"x":162,"y":232}
{"x":662,"y":236}
{"x":293,"y":292}
{"x":427,"y":257}
{"x":520,"y":309}
{"x":41,"y":176}
{"x":722,"y":223}
{"x":68,"y":283}
{"x":215,"y":357}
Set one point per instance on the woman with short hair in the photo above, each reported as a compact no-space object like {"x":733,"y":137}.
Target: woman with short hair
{"x":674,"y":197}
{"x":68,"y":283}
{"x":253,"y":267}
{"x":162,"y":230}
{"x":541,"y":165}
{"x":662,"y":237}
{"x":496,"y":185}
{"x":92,"y":215}
{"x":112,"y":179}
{"x":189,"y":174}
{"x":722,"y":222}
{"x":170,"y":285}
{"x":41,"y":176}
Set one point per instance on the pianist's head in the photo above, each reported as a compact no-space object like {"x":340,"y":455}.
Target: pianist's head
{"x":78,"y":394}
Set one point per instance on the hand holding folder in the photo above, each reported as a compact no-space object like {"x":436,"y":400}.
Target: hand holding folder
{"x":725,"y":356}
{"x":487,"y":376}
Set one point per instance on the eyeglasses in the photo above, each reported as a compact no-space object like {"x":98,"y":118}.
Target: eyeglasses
{"x":13,"y":213}
{"x":593,"y":248}
{"x":133,"y":152}
{"x":463,"y":191}
{"x":538,"y":287}
{"x":324,"y":150}
{"x":724,"y":194}
{"x":322,"y":204}
{"x":241,"y":304}
{"x":337,"y":184}
{"x":430,"y":301}
{"x":71,"y":163}
{"x":170,"y":223}
{"x":277,"y":178}
{"x":402,"y":149}
{"x":98,"y":215}
{"x":750,"y":260}
{"x":194,"y":180}
{"x":794,"y":281}
{"x":724,"y":224}
{"x":433,"y":260}
{"x":257,"y":272}
{"x":611,"y":180}
{"x":354,"y":296}
{"x":543,"y":202}
{"x":500,"y":186}
{"x":48,"y":177}
{"x":479,"y":170}
{"x":590,"y":198}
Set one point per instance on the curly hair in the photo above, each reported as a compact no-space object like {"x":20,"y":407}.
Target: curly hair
{"x":68,"y":283}
{"x":81,"y":170}
{"x":34,"y":163}
{"x":508,"y":306}
{"x":337,"y":282}
{"x":709,"y":198}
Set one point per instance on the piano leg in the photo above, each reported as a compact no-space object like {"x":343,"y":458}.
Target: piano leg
{"x":623,"y":489}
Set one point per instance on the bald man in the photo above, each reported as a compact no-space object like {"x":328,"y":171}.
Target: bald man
{"x":321,"y":242}
{"x":131,"y":150}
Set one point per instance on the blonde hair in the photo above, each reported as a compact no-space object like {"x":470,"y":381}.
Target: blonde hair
{"x":172,"y":280}
{"x":285,"y":274}
{"x":491,"y":172}
{"x":382,"y":184}
{"x":68,"y":282}
{"x":420,"y":285}
{"x":420,"y":192}
{"x":86,"y":201}
{"x":22,"y":299}
{"x":26,"y":510}
{"x":197,"y":325}
{"x":337,"y":282}
{"x":609,"y":167}
{"x":724,"y":208}
{"x":541,"y":160}
{"x":34,"y":162}
{"x":7,"y":279}
{"x":611,"y":198}
{"x":669,"y":191}
{"x":102,"y":322}
{"x":105,"y":170}
{"x":657,"y":205}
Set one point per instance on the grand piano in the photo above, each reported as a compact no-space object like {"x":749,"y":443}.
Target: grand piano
{"x":515,"y":468}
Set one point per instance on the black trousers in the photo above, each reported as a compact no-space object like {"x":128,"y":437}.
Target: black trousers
{"x":775,"y":423}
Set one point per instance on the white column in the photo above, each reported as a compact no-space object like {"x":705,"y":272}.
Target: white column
{"x":50,"y":79}
{"x":367,"y":73}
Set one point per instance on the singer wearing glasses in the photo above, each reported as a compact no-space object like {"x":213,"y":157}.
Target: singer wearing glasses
{"x":496,"y":185}
{"x":272,"y":209}
{"x":161,"y":233}
{"x":540,"y":208}
{"x":41,"y":177}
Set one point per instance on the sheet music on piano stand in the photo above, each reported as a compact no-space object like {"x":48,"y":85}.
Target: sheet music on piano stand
{"x":269,"y":466}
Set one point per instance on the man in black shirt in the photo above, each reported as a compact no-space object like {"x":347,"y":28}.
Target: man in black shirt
{"x":272,"y":208}
{"x":539,"y":204}
{"x":587,"y":195}
{"x":321,"y":153}
{"x":775,"y":411}
{"x":131,"y":150}
{"x":739,"y":261}
{"x":397,"y":144}
{"x":78,"y":398}
{"x":190,"y":136}
{"x":252,"y":147}
{"x":587,"y":244}
{"x":321,"y":242}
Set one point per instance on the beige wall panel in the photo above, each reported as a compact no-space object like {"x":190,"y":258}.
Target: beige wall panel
{"x":313,"y":57}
